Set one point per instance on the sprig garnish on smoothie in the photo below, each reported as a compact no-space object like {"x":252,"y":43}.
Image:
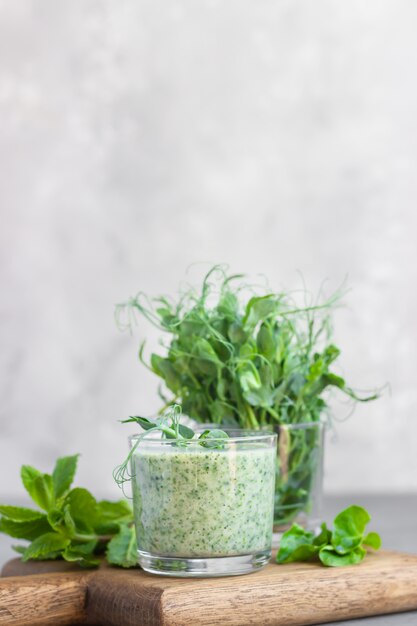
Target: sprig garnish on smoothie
{"x":170,"y":427}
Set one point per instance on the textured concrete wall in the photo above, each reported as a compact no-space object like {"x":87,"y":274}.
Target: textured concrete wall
{"x":140,"y":136}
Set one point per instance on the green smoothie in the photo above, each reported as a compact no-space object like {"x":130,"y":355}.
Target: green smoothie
{"x":199,"y":502}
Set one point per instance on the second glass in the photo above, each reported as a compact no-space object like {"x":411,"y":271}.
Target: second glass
{"x":299,"y":476}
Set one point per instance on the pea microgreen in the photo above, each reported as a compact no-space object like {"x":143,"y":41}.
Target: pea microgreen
{"x":170,"y":427}
{"x":347,"y":544}
{"x":243,"y":356}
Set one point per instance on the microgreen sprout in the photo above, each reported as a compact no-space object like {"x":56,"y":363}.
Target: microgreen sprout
{"x":242,"y":355}
{"x":170,"y":427}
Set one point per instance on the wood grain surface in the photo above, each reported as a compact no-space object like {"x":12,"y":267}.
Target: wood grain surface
{"x":289,"y":595}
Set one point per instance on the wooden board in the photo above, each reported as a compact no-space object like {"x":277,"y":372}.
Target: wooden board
{"x":53,"y":593}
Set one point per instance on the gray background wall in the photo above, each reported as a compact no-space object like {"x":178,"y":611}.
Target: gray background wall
{"x":140,"y":136}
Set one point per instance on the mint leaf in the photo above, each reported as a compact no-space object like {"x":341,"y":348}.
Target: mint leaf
{"x":62,"y":522}
{"x":373,"y":540}
{"x":28,"y":475}
{"x":328,"y":556}
{"x":39,"y":486}
{"x":122,"y":549}
{"x":44,"y":546}
{"x":349,"y":527}
{"x":82,"y":506}
{"x":75,"y":526}
{"x":83,"y":554}
{"x":19,"y":513}
{"x":63,"y":474}
{"x":28,"y":529}
{"x":112,"y":511}
{"x":110,"y":515}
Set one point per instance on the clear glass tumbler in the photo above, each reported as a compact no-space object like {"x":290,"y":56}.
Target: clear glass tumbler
{"x":204,"y":511}
{"x":299,"y":476}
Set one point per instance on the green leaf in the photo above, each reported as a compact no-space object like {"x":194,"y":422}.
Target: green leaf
{"x":262,"y":397}
{"x":19,"y":549}
{"x":110,"y":515}
{"x":248,"y":351}
{"x":185,"y":432}
{"x":228,"y":305}
{"x":205,"y":358}
{"x":28,"y":475}
{"x":122,"y":549}
{"x":331,"y":353}
{"x":329,"y":557}
{"x":81,"y":503}
{"x":296,"y":545}
{"x":249,"y":379}
{"x":222,"y":413}
{"x":83,"y":554}
{"x":236,"y":334}
{"x":44,"y":545}
{"x":62,"y":522}
{"x":82,"y":507}
{"x":213,"y":438}
{"x":113,"y":511}
{"x":304,"y":552}
{"x":155,"y":362}
{"x":142,"y":421}
{"x":373,"y":540}
{"x":259,"y":308}
{"x":334,"y":381}
{"x":317,"y":368}
{"x":349,"y":527}
{"x":19,"y":513}
{"x":63,"y":474}
{"x":296,"y":383}
{"x":265,"y":342}
{"x":29,"y":529}
{"x":324,"y":537}
{"x":39,"y":486}
{"x":172,"y":380}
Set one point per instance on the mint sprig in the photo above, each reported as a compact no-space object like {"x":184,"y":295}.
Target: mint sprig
{"x":347,"y":544}
{"x":72,"y":524}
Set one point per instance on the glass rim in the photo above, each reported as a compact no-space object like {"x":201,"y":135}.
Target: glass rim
{"x":302,"y":425}
{"x":248,"y":436}
{"x":270,"y":427}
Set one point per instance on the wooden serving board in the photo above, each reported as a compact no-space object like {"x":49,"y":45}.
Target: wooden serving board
{"x":54,"y":593}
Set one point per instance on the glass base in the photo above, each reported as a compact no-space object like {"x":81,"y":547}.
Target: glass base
{"x":204,"y":567}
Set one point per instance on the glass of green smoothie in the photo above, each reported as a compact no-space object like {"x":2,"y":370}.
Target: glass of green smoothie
{"x":204,"y":509}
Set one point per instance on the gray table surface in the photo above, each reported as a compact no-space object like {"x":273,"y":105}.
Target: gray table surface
{"x":393,"y":516}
